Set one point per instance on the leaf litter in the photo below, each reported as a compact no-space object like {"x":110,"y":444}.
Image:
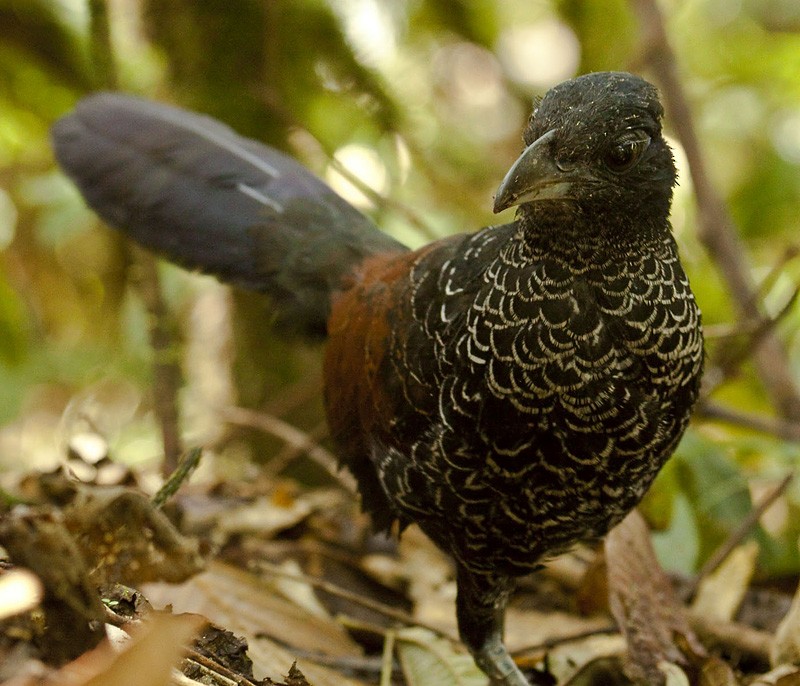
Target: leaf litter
{"x":272,"y":583}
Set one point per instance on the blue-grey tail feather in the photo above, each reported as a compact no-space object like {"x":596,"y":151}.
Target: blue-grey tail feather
{"x":195,"y":191}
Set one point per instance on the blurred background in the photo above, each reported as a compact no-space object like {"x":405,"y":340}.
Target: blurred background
{"x":413,"y":111}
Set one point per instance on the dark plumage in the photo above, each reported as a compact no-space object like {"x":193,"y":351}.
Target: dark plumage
{"x":512,"y":391}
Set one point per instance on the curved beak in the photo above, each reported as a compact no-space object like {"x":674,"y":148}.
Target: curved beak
{"x":534,"y":176}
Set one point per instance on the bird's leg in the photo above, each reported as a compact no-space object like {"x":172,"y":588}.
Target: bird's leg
{"x":480,"y":610}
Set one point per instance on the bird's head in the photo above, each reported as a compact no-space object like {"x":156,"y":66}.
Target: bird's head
{"x":594,"y":144}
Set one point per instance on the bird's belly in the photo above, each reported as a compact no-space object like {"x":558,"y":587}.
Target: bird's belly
{"x":524,"y":485}
{"x":547,"y":413}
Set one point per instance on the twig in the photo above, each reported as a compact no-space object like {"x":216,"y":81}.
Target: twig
{"x":385,"y":201}
{"x":716,"y":229}
{"x":732,"y":636}
{"x":387,"y":661}
{"x":166,"y":371}
{"x":366,"y":664}
{"x":105,"y":75}
{"x":217,"y":669}
{"x":725,"y":330}
{"x":740,"y":532}
{"x":282,"y":459}
{"x":294,"y":437}
{"x":550,"y":643}
{"x":183,"y":471}
{"x":275,"y":104}
{"x":338,"y":591}
{"x":731,"y":359}
{"x":779,"y":428}
{"x":729,"y":635}
{"x":767,"y":283}
{"x":166,"y":374}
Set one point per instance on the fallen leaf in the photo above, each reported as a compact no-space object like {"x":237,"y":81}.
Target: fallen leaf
{"x":265,"y":516}
{"x":147,"y":660}
{"x":36,"y":538}
{"x":250,"y":607}
{"x":126,"y":539}
{"x":20,"y":591}
{"x":786,"y":643}
{"x":644,"y":604}
{"x":673,"y":675}
{"x":783,"y":675}
{"x":721,"y":593}
{"x":715,"y":672}
{"x":566,"y":660}
{"x":428,"y":660}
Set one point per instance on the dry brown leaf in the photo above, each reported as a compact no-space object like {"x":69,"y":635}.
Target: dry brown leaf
{"x":784,"y":675}
{"x":265,"y":516}
{"x":296,"y":591}
{"x":673,"y":674}
{"x":428,"y":660}
{"x":250,"y":607}
{"x":431,"y":583}
{"x":786,"y":643}
{"x":20,"y":591}
{"x":582,"y":657}
{"x":37,"y":538}
{"x":643,"y":603}
{"x":154,"y":651}
{"x":126,"y":539}
{"x":715,"y":672}
{"x":527,"y":627}
{"x":271,"y":660}
{"x":147,"y":659}
{"x":721,"y":593}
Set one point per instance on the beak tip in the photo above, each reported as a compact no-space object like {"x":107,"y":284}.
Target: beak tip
{"x":532,"y":170}
{"x":501,"y":202}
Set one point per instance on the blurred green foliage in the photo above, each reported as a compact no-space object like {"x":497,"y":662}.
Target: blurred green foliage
{"x":435,"y":93}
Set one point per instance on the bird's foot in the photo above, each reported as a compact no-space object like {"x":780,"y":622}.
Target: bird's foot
{"x":494,"y":660}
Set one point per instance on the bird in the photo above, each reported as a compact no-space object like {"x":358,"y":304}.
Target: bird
{"x":514,"y":390}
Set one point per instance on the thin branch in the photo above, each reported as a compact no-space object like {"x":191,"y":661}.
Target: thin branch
{"x":730,"y":359}
{"x":290,"y":452}
{"x":292,"y":436}
{"x":778,"y":428}
{"x":767,"y":284}
{"x":390,"y":612}
{"x":100,"y":45}
{"x":387,"y":658}
{"x":216,"y":669}
{"x":166,"y":373}
{"x":166,"y":370}
{"x":184,"y":470}
{"x":740,"y":532}
{"x":550,"y":643}
{"x":275,"y":104}
{"x":716,"y":229}
{"x":384,"y":201}
{"x":732,"y":636}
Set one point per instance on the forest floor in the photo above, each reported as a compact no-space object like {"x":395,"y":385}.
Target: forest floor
{"x":269,"y":582}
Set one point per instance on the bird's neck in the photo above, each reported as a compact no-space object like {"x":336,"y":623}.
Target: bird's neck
{"x":567,"y":227}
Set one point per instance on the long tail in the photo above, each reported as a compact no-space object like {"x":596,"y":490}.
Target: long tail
{"x":206,"y":198}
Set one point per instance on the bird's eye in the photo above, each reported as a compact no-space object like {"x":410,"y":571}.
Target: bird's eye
{"x":625,"y":152}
